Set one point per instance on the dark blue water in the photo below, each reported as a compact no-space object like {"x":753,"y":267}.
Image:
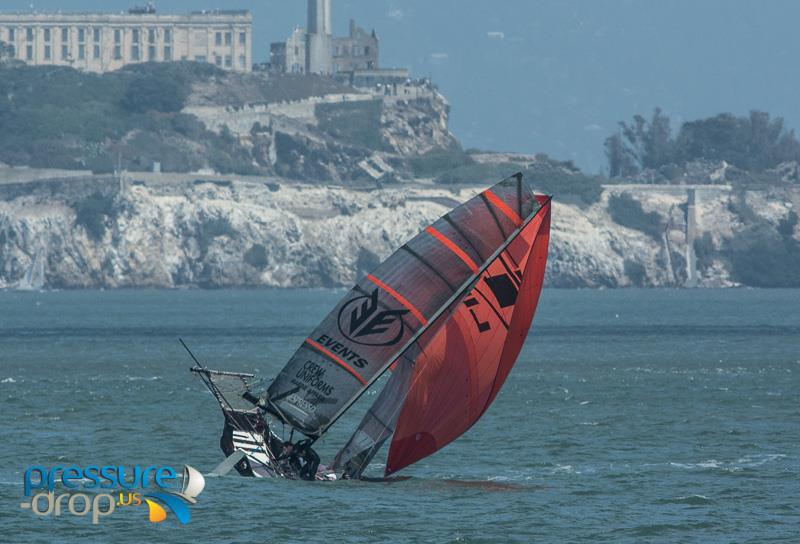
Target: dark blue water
{"x":631,"y":416}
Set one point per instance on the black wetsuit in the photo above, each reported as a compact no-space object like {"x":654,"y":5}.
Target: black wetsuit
{"x":303,"y":461}
{"x":309,"y":469}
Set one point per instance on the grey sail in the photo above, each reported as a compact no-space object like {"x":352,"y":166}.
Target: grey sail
{"x":388,"y":310}
{"x":378,"y":423}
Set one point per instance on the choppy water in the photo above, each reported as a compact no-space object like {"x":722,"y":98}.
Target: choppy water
{"x":631,"y":416}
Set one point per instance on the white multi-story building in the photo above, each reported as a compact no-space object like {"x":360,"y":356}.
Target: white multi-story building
{"x":102,"y":42}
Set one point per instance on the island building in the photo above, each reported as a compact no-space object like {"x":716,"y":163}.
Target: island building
{"x":314,"y":50}
{"x":102,"y":42}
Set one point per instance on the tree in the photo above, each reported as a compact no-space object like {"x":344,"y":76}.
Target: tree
{"x":650,"y":143}
{"x":753,"y":143}
{"x":151,"y":93}
{"x":621,"y":162}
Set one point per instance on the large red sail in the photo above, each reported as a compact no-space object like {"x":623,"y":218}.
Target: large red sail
{"x":391,"y":312}
{"x":460,"y":370}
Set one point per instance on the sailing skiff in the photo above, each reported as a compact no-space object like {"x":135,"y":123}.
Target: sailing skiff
{"x":446,"y":315}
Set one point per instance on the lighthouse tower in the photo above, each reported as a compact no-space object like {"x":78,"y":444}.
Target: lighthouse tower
{"x":318,"y":37}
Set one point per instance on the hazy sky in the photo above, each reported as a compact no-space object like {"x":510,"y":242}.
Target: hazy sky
{"x":555,"y":76}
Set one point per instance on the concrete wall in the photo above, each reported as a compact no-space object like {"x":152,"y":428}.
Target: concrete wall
{"x":240,"y":120}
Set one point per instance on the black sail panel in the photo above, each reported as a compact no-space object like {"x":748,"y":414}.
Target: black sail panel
{"x":390,"y":308}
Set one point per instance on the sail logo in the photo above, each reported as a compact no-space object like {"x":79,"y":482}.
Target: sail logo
{"x":362,"y":322}
{"x":314,"y":375}
{"x":99,"y":492}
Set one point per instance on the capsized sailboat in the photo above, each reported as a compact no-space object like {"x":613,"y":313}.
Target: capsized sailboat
{"x":446,"y":314}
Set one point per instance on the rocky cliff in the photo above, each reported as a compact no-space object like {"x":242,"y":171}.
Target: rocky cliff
{"x":194,"y":117}
{"x":96,"y":232}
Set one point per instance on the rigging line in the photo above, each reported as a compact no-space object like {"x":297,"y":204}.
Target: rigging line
{"x":464,"y":287}
{"x":205,"y":376}
{"x":379,"y":420}
{"x":237,"y":420}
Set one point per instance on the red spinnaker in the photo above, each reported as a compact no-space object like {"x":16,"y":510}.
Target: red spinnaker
{"x":462,"y":368}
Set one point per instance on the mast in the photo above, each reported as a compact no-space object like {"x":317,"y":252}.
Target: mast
{"x":388,"y":310}
{"x":460,"y":292}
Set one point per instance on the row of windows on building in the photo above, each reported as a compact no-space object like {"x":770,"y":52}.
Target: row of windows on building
{"x":228,"y":36}
{"x":226,"y":61}
{"x":96,"y":34}
{"x":355,"y":51}
{"x":297,"y":68}
{"x":344,"y":51}
{"x":136,"y":47}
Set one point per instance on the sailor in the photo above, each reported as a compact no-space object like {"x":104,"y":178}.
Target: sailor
{"x":300,"y":459}
{"x":289,"y":459}
{"x":310,"y":458}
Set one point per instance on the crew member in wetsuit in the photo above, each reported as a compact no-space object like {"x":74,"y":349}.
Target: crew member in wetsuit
{"x":300,"y":459}
{"x":289,"y":460}
{"x":309,"y":470}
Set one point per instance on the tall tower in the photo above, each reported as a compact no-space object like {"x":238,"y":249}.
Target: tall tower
{"x":318,"y":37}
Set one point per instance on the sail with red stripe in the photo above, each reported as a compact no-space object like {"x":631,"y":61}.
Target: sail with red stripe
{"x":462,"y":368}
{"x":393,"y":312}
{"x":454,"y":371}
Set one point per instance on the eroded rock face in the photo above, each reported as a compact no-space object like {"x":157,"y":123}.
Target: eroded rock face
{"x":310,"y":140}
{"x":80,"y":234}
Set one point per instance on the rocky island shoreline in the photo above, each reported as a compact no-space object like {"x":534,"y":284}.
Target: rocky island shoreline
{"x":296,"y":181}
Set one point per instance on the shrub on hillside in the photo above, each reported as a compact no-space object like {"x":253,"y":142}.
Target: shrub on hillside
{"x":636,"y":272}
{"x":146,"y":93}
{"x":438,"y":161}
{"x":256,"y":256}
{"x":355,"y":123}
{"x":628,"y":212}
{"x":704,"y":251}
{"x":763,"y":257}
{"x":562,"y":184}
{"x":478,"y":173}
{"x":91,"y":214}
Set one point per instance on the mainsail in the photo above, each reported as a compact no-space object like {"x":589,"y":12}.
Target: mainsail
{"x":458,"y":366}
{"x":391,"y":313}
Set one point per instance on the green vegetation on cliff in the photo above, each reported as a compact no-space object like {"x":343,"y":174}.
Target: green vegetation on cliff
{"x":754,"y":144}
{"x":55,"y":117}
{"x":354,"y":123}
{"x":628,"y":212}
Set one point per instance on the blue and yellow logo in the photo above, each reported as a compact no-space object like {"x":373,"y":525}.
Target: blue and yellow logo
{"x":151,"y":486}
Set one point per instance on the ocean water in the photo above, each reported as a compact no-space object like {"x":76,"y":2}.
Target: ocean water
{"x":631,"y":416}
